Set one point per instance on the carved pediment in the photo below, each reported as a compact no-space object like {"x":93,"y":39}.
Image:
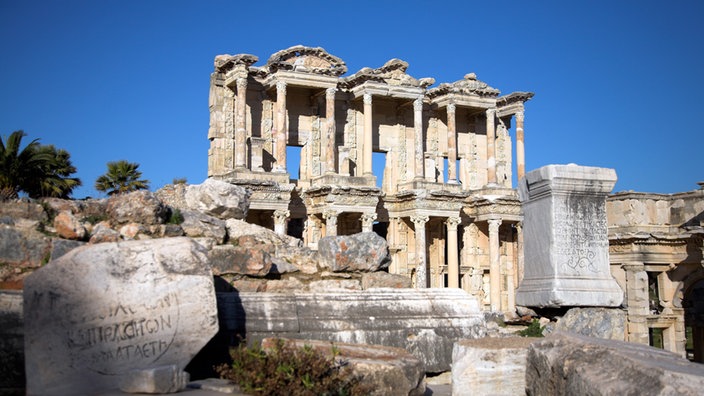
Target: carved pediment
{"x":470,"y":85}
{"x":225,"y":63}
{"x":304,"y":59}
{"x":392,"y":73}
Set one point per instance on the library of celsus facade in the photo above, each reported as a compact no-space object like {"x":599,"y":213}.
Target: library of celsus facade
{"x":445,"y":201}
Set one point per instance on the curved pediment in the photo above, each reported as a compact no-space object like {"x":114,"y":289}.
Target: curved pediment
{"x":392,"y":73}
{"x":300,"y":58}
{"x":470,"y":85}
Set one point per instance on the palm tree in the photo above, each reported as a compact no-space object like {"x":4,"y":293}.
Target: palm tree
{"x":121,"y":177}
{"x":35,"y":169}
{"x":53,"y":179}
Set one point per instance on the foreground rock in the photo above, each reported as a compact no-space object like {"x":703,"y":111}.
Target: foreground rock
{"x":212,"y":197}
{"x":608,"y":323}
{"x":365,"y":251}
{"x":424,"y":322}
{"x":390,"y":371}
{"x":490,"y":366}
{"x":100,"y":312}
{"x":571,"y":364}
{"x":11,"y":344}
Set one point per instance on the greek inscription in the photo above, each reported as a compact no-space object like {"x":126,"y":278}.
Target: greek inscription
{"x":581,"y":234}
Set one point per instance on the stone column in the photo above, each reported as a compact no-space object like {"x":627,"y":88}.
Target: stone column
{"x":280,"y":135}
{"x":421,"y":270}
{"x":330,"y":130}
{"x":637,"y":303}
{"x":330,"y":217}
{"x":368,"y":221}
{"x":451,"y":145}
{"x":494,"y":265}
{"x":281,"y":221}
{"x":520,"y":149}
{"x":418,"y":138}
{"x":453,"y":265}
{"x":519,"y":247}
{"x":490,"y":149}
{"x":367,"y":145}
{"x":241,"y":126}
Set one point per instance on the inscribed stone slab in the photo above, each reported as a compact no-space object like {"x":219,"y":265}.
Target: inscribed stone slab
{"x":101,"y":311}
{"x":566,"y":246}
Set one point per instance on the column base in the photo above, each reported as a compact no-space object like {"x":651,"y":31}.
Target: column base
{"x":560,"y":292}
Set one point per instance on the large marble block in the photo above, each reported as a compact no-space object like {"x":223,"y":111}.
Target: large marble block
{"x":425,"y":322}
{"x":566,"y":246}
{"x":101,"y":312}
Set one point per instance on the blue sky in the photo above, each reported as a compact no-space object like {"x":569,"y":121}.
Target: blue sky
{"x":617,"y":84}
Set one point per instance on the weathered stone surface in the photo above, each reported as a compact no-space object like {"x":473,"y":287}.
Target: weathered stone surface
{"x":334,"y":284}
{"x":103,"y":233}
{"x":216,"y":385}
{"x":390,"y":371}
{"x":59,"y":247}
{"x":12,"y":377}
{"x":218,"y":199}
{"x":136,"y":207}
{"x":384,"y":279}
{"x":228,"y":259}
{"x":490,"y":366}
{"x":198,"y":225}
{"x":566,"y":244}
{"x":237,"y":229}
{"x":131,"y":231}
{"x":163,"y":379}
{"x":101,"y":311}
{"x":572,"y":364}
{"x":595,"y":322}
{"x":22,"y":209}
{"x":21,"y":251}
{"x":365,"y":251}
{"x":425,"y":322}
{"x":67,"y":226}
{"x":173,"y":195}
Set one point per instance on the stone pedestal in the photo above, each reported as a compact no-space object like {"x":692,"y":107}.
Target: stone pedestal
{"x":565,"y":238}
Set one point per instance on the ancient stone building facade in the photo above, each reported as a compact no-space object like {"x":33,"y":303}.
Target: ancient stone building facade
{"x":656,"y":255}
{"x":445,"y":203}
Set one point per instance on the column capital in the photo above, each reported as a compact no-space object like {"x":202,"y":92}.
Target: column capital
{"x":330,"y":93}
{"x":519,"y":116}
{"x":241,"y":83}
{"x":330,"y":214}
{"x":490,"y":112}
{"x":419,"y":221}
{"x":369,"y":217}
{"x":281,"y":214}
{"x":281,"y":87}
{"x":367,"y":98}
{"x":494,"y":225}
{"x":452,"y":223}
{"x":418,"y":103}
{"x":451,"y":108}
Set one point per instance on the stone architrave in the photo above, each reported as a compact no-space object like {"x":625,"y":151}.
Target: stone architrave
{"x":100,"y":312}
{"x":566,"y":244}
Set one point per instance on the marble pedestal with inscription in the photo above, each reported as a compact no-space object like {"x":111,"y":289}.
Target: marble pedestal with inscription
{"x":100,"y":313}
{"x":566,"y":244}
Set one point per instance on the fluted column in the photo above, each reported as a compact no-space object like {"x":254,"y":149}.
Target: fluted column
{"x":490,"y":150}
{"x":281,"y":127}
{"x":330,"y":130}
{"x":421,"y":270}
{"x":281,"y":221}
{"x":451,"y":145}
{"x":453,"y":263}
{"x":241,"y":125}
{"x":418,"y":138}
{"x":330,"y":217}
{"x":368,"y":221}
{"x":367,"y":145}
{"x":494,"y":265}
{"x":520,"y":149}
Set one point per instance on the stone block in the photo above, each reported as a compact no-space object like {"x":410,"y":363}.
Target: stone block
{"x":102,"y":311}
{"x":199,"y":225}
{"x":155,"y":380}
{"x":566,"y":244}
{"x":218,"y":199}
{"x":365,"y":252}
{"x":572,"y":364}
{"x":228,"y":259}
{"x":136,"y":207}
{"x":389,"y":371}
{"x":490,"y":366}
{"x":608,"y":323}
{"x":424,"y":322}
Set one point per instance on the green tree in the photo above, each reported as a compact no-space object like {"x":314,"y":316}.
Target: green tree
{"x":38,"y":170}
{"x":121,"y":177}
